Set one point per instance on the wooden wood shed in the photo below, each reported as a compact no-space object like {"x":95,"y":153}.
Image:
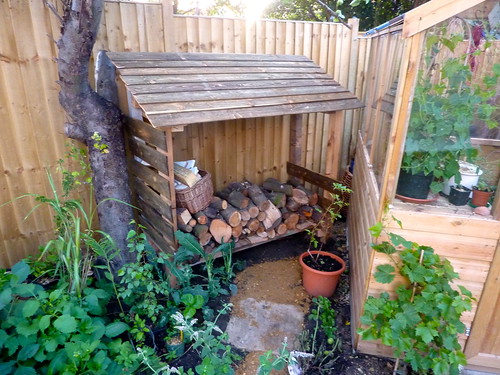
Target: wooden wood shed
{"x":163,"y":94}
{"x":469,"y":241}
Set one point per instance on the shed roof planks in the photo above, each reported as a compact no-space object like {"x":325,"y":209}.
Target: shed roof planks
{"x":185,"y":88}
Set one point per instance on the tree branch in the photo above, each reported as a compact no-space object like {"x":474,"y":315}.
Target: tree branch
{"x":75,"y":132}
{"x":333,"y":13}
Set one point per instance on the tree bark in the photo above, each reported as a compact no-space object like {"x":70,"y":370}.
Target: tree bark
{"x":96,"y":122}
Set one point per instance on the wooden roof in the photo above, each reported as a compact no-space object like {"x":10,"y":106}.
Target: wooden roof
{"x":184,"y":88}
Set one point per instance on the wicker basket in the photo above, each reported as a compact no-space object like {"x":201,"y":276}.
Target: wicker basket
{"x":197,"y":197}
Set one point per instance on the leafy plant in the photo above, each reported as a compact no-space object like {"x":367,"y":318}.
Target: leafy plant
{"x":189,"y":245}
{"x":274,"y":362}
{"x":210,"y":343}
{"x":324,"y":313}
{"x":144,"y":287}
{"x":56,"y":332}
{"x":423,"y":320}
{"x":446,"y":103}
{"x":328,"y":217}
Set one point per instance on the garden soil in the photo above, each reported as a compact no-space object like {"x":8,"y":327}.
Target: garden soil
{"x":271,"y":276}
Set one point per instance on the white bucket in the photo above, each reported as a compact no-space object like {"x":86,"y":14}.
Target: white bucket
{"x":470,"y":176}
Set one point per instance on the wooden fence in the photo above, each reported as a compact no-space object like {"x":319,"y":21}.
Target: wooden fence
{"x":33,"y":122}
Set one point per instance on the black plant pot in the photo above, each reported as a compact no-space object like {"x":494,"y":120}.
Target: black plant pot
{"x":414,"y":185}
{"x":459,"y":195}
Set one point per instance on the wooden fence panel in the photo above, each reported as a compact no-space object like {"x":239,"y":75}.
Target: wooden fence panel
{"x":33,"y":132}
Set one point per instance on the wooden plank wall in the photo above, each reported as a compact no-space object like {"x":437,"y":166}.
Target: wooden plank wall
{"x":33,"y":122}
{"x":363,"y":213}
{"x":380,"y":78}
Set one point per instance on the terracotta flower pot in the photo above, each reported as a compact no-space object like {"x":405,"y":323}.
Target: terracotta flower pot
{"x":320,"y":283}
{"x":480,"y":198}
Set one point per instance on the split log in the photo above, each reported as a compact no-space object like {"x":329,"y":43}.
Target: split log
{"x":211,"y":212}
{"x":200,"y":229}
{"x":281,"y":229}
{"x":261,"y":232}
{"x":200,"y":217}
{"x":224,"y":193}
{"x":231,"y":215}
{"x":220,"y":230}
{"x":306,"y":211}
{"x":183,"y":216}
{"x":271,"y":233}
{"x":304,"y":225}
{"x":218,"y":203}
{"x":317,"y":214}
{"x":292,"y":205}
{"x":300,"y":196}
{"x":205,"y":239}
{"x":273,"y":184}
{"x":244,"y":223}
{"x":277,"y":198}
{"x":262,"y":215}
{"x":245,"y":215}
{"x":258,"y":197}
{"x":185,"y":227}
{"x":253,"y":210}
{"x":256,"y":239}
{"x":238,"y":186}
{"x":273,"y":217}
{"x":237,"y":230}
{"x":238,"y":200}
{"x":291,"y":221}
{"x":313,"y":197}
{"x":253,"y":224}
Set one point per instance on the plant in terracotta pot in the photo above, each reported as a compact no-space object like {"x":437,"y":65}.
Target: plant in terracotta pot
{"x":481,"y":193}
{"x":321,"y":270}
{"x":447,"y":101}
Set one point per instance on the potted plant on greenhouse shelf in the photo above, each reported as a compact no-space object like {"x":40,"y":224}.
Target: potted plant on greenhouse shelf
{"x":447,"y":101}
{"x":481,"y":193}
{"x":321,"y":270}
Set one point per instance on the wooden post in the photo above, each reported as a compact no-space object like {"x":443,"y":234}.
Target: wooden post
{"x":295,"y":155}
{"x":334,"y":147}
{"x":402,"y":107}
{"x":296,"y":139}
{"x":349,"y":135}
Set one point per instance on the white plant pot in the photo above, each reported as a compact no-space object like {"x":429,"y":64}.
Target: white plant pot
{"x":470,"y":176}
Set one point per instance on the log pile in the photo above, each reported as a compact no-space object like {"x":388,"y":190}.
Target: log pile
{"x":249,"y":214}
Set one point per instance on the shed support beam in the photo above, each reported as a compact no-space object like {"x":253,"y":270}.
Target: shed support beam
{"x":334,"y":147}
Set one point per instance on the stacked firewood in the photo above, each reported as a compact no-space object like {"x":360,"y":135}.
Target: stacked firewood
{"x":248,"y":214}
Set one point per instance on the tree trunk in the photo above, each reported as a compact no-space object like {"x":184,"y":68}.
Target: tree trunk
{"x":96,"y":122}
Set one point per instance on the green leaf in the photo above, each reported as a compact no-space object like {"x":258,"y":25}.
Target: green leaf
{"x":385,"y":274}
{"x":6,"y":367}
{"x":65,"y":323}
{"x":5,"y":297}
{"x":28,"y":352}
{"x":30,"y":307}
{"x":50,"y":345}
{"x":21,"y":270}
{"x":116,"y":328}
{"x":397,"y":240}
{"x":24,"y":328}
{"x":57,"y":363}
{"x":427,"y":334}
{"x":376,"y":230}
{"x":44,"y":322}
{"x":384,"y":248}
{"x":24,"y":370}
{"x":3,"y":338}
